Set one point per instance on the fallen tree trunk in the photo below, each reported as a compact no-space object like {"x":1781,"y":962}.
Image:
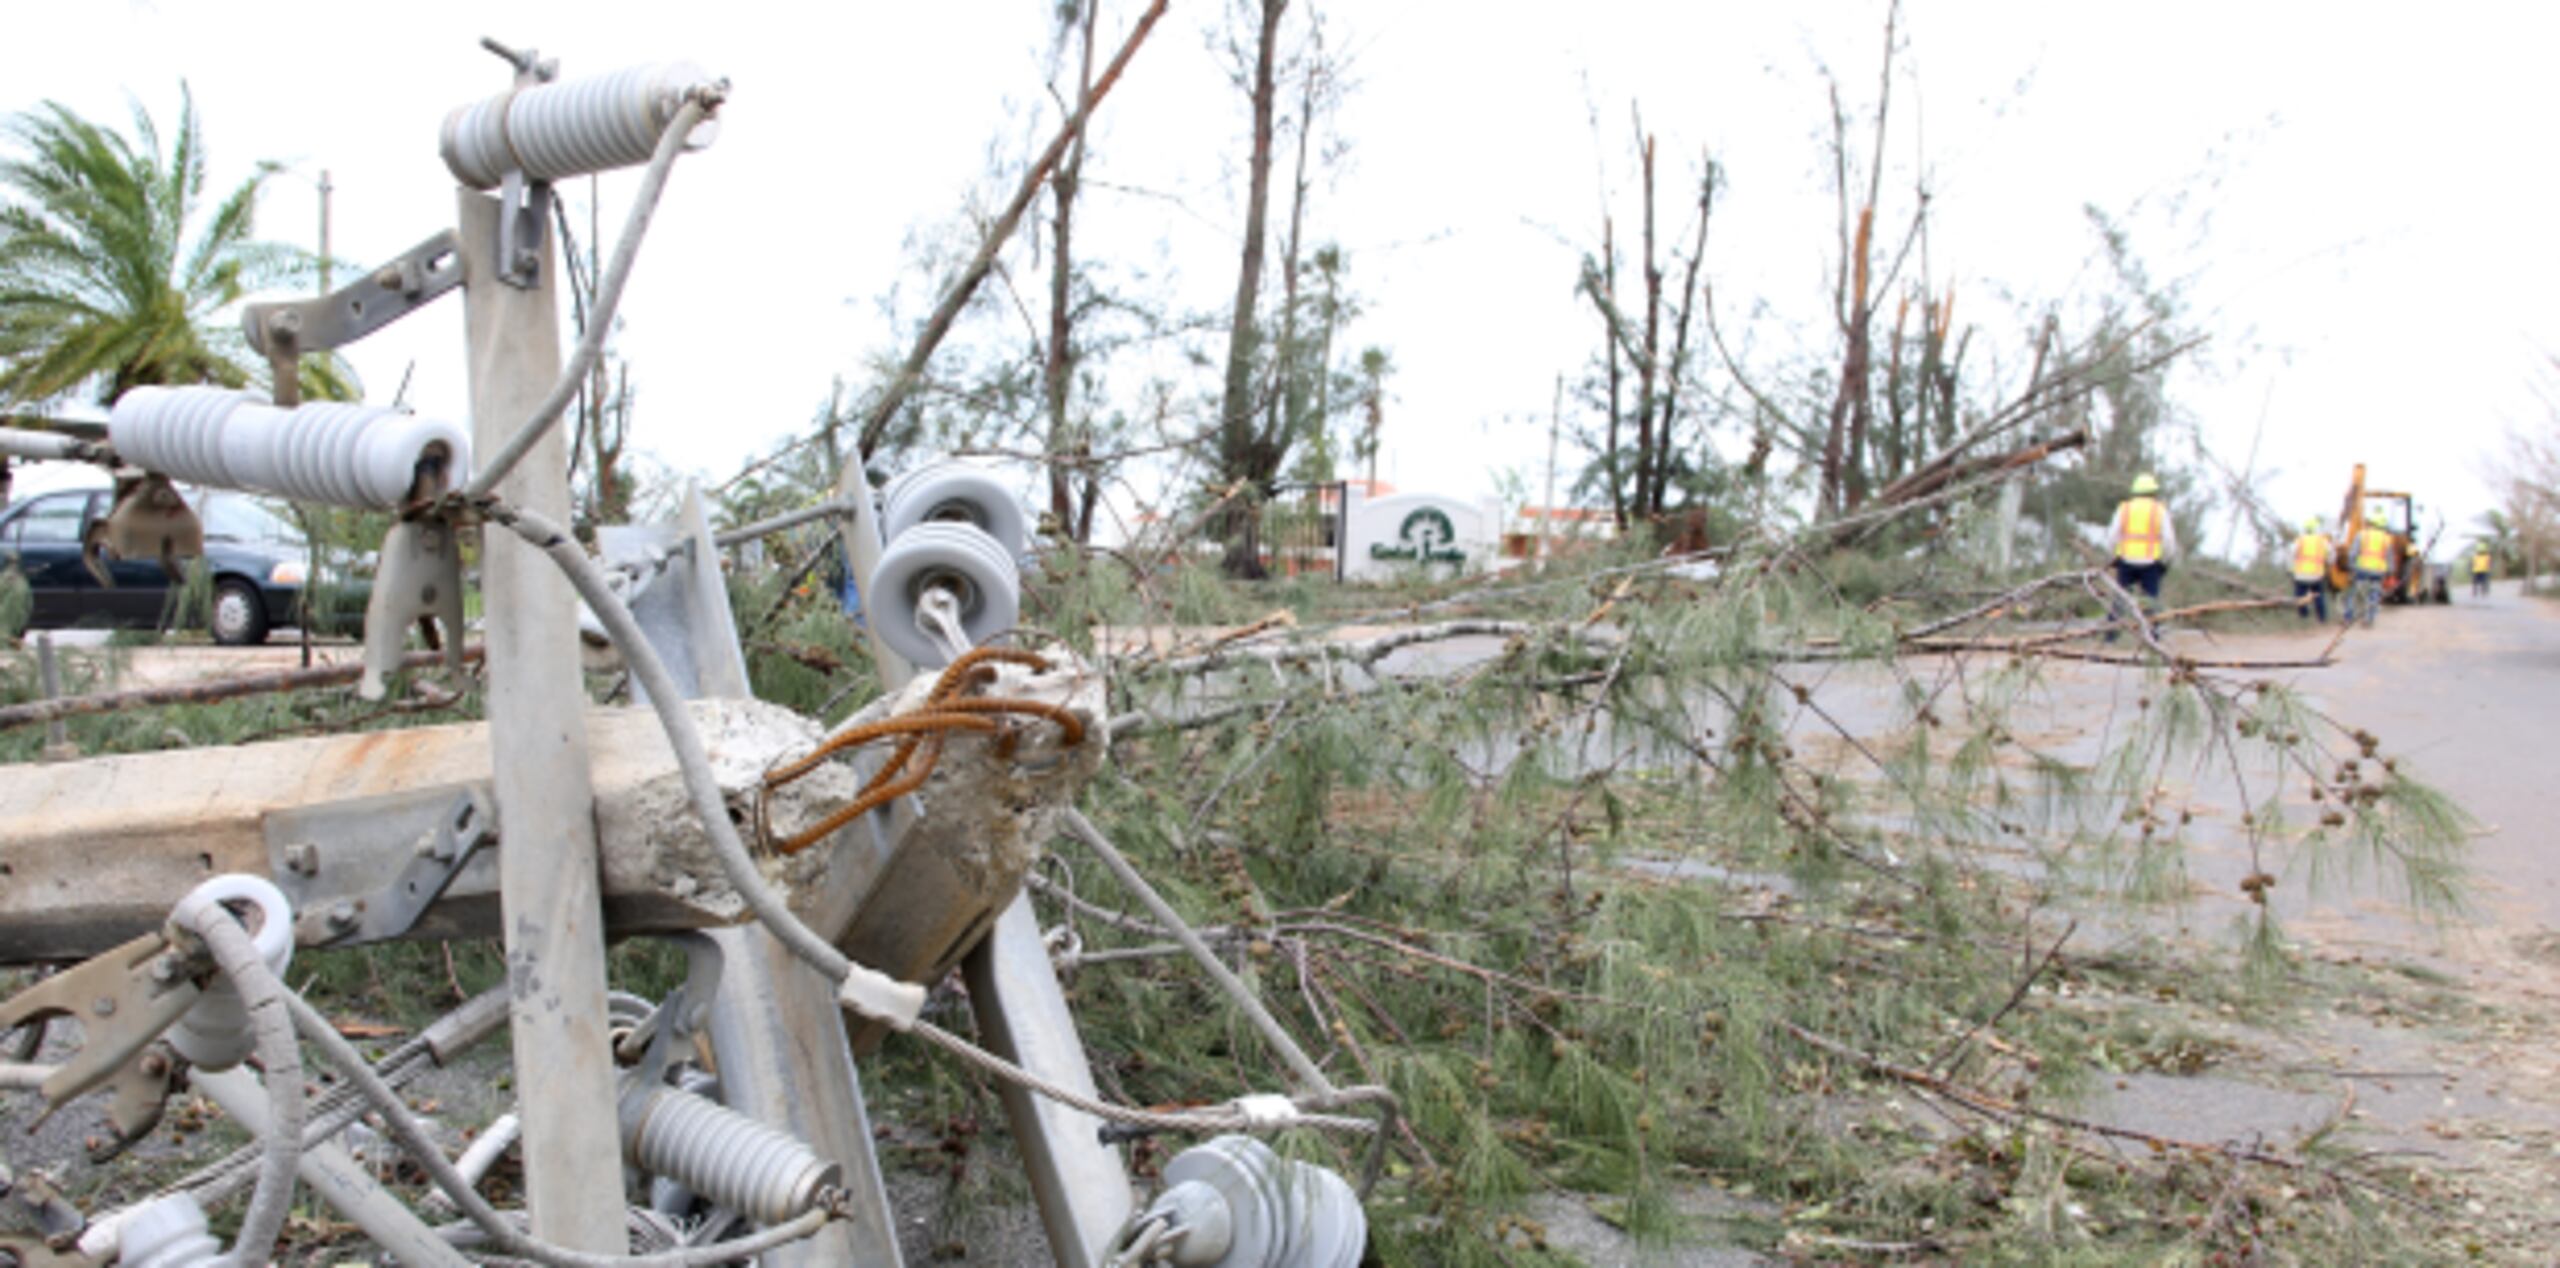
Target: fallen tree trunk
{"x":206,"y":691}
{"x":1952,"y":468}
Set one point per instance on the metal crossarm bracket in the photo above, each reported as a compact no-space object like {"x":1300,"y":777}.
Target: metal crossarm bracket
{"x":395,"y":290}
{"x":366,"y":870}
{"x":123,"y":1000}
{"x":150,"y":521}
{"x":137,"y":1095}
{"x":418,"y":581}
{"x":686,"y":1011}
{"x":44,"y":1226}
{"x":524,"y":216}
{"x":524,"y":204}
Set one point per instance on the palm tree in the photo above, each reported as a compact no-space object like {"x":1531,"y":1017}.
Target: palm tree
{"x":110,"y":278}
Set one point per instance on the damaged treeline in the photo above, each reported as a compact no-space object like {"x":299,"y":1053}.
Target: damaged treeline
{"x":1636,"y":883}
{"x":1629,"y":886}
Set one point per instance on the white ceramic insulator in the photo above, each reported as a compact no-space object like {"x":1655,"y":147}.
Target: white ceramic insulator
{"x":573,"y":127}
{"x":722,"y":1155}
{"x":362,"y":456}
{"x":214,"y":1033}
{"x":1243,"y":1206}
{"x":955,"y":557}
{"x":951,"y":491}
{"x":168,"y":1233}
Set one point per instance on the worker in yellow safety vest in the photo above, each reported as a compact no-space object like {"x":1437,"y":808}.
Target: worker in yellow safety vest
{"x":2144,"y":540}
{"x":2481,"y":568}
{"x":2311,"y":572}
{"x":2372,"y":563}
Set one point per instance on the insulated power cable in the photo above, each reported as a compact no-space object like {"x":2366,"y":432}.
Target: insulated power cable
{"x":1233,"y":987}
{"x":502,"y":1233}
{"x":265,"y":1000}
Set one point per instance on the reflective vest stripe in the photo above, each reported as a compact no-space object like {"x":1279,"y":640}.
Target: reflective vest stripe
{"x":2310,"y":557}
{"x":2373,"y":551}
{"x":2139,"y":542}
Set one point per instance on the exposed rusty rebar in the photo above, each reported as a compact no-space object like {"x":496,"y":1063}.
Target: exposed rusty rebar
{"x":921,"y":735}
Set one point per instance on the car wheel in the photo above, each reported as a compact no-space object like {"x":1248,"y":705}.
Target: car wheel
{"x":239,"y":615}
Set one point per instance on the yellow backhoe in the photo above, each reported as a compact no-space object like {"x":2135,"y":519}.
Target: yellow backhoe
{"x":2408,"y":578}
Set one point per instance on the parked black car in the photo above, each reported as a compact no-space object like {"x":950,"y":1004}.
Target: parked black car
{"x":259,"y":564}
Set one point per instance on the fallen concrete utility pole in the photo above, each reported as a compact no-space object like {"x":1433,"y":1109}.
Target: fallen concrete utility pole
{"x":93,"y":852}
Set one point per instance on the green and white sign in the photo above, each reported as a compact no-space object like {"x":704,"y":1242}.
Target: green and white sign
{"x":1426,"y":536}
{"x":1388,"y":537}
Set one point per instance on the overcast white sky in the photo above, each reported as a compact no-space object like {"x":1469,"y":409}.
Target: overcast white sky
{"x":2354,"y":197}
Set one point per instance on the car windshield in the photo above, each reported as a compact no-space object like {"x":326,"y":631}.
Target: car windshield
{"x":232,"y":518}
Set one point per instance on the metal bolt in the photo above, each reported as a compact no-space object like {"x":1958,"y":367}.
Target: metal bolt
{"x":105,"y":1007}
{"x":433,"y":845}
{"x":302,"y":858}
{"x":342,"y":914}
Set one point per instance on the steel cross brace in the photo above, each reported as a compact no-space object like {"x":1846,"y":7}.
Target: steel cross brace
{"x":774,"y":1022}
{"x":542,"y":768}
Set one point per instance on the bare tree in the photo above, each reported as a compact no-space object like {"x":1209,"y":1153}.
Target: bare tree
{"x":2526,"y":477}
{"x":908,"y":376}
{"x":1375,"y":366}
{"x":1245,"y":450}
{"x":1277,"y":388}
{"x":603,"y":408}
{"x":1844,"y":445}
{"x":1640,"y":479}
{"x":1070,"y":447}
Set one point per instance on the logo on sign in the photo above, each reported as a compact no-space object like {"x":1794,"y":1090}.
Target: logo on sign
{"x":1426,"y":536}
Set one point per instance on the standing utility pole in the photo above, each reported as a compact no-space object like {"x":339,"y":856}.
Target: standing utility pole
{"x":1547,"y":513}
{"x":302,"y":618}
{"x":325,"y":190}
